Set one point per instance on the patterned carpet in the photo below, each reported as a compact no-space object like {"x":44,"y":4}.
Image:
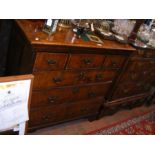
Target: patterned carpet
{"x":141,"y":125}
{"x":137,"y":119}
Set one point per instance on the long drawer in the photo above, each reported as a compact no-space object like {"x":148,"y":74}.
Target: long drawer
{"x":55,"y":114}
{"x":126,"y":89}
{"x":68,"y":78}
{"x":68,"y":94}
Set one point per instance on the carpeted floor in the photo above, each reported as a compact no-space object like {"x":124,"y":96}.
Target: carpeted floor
{"x":139,"y":125}
{"x":83,"y":126}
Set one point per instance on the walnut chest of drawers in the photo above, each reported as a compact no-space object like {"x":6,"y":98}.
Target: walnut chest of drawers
{"x":72,"y":78}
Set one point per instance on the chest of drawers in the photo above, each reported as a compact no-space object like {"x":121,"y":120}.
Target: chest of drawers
{"x":77,"y":79}
{"x":70,"y":86}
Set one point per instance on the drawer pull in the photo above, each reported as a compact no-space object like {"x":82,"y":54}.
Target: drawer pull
{"x":82,"y":76}
{"x":51,"y":61}
{"x":75,"y":90}
{"x":51,"y":99}
{"x":45,"y":118}
{"x":87,"y":61}
{"x":125,"y":90}
{"x":133,"y":76}
{"x":57,"y":80}
{"x":84,"y":110}
{"x":138,"y":84}
{"x":99,"y":77}
{"x":140,"y":52}
{"x":92,"y":94}
{"x":114,"y":64}
{"x":152,"y":62}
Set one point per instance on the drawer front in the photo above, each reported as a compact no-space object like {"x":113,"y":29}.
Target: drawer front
{"x":85,"y":61}
{"x":67,"y":78}
{"x":145,"y":53}
{"x":64,"y":95}
{"x":84,"y":108}
{"x":114,"y":62}
{"x":55,"y":114}
{"x":126,"y":89}
{"x":50,"y":61}
{"x":139,"y":70}
{"x":40,"y":116}
{"x":53,"y":79}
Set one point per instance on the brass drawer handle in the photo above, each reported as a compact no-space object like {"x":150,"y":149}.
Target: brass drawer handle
{"x":84,"y":110}
{"x":99,"y":77}
{"x":133,"y":76}
{"x":51,"y":61}
{"x":138,"y":84}
{"x":52,"y":99}
{"x":45,"y":118}
{"x":75,"y":90}
{"x":125,"y":90}
{"x":114,"y":64}
{"x":92,"y":94}
{"x":82,"y":75}
{"x":152,"y":62}
{"x":57,"y":80}
{"x":72,"y":113}
{"x":140,"y":52}
{"x":149,"y":55}
{"x":87,"y":61}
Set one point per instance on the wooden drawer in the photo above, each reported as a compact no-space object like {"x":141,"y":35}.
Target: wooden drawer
{"x":84,"y":108}
{"x":68,"y":94}
{"x":139,"y":70}
{"x":67,"y":78}
{"x":49,"y":61}
{"x":145,"y":53}
{"x":114,"y":61}
{"x":126,"y":89}
{"x":53,"y":79}
{"x":55,"y":114}
{"x":44,"y":115}
{"x":85,"y":61}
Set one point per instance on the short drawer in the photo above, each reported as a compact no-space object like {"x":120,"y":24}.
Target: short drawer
{"x":85,"y":61}
{"x":68,"y":78}
{"x":56,"y":114}
{"x":114,"y":61}
{"x":53,"y":79}
{"x":49,"y":61}
{"x":68,"y":94}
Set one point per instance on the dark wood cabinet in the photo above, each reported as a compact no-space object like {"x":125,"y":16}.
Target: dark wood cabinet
{"x":75,"y":79}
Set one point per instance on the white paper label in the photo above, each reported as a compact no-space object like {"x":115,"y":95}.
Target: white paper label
{"x":14,"y":103}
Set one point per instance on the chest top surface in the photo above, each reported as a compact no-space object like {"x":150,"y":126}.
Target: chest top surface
{"x":32,"y":29}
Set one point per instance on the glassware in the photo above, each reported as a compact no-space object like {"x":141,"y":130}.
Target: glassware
{"x":122,"y":29}
{"x":144,"y":33}
{"x":152,"y":38}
